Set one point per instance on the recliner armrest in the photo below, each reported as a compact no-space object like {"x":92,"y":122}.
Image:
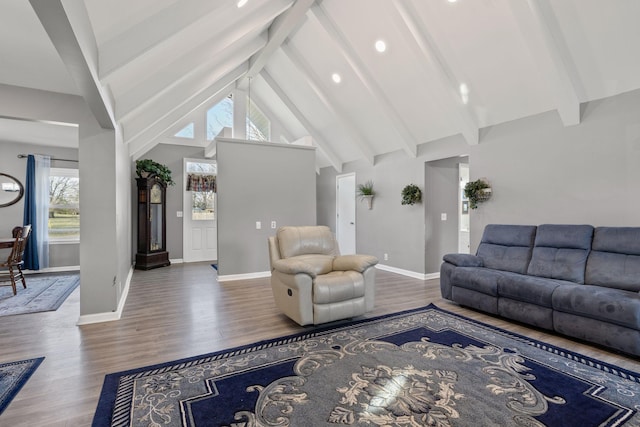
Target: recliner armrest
{"x":293,"y":266}
{"x":463,"y":260}
{"x":357,"y":263}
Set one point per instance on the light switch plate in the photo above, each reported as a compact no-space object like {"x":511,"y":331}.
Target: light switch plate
{"x":443,"y":216}
{"x":179,"y":214}
{"x":258,"y":225}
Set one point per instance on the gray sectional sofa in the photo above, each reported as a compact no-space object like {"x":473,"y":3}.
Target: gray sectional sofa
{"x":577,"y":280}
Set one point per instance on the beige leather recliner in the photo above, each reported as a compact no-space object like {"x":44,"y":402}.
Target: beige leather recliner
{"x":312,"y":283}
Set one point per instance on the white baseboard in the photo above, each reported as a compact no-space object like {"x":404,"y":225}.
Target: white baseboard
{"x":408,"y":273}
{"x":110,"y":316}
{"x":256,"y":275}
{"x":54,"y":269}
{"x":176,"y":261}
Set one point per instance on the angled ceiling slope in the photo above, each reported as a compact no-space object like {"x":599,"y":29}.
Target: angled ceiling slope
{"x":449,"y":68}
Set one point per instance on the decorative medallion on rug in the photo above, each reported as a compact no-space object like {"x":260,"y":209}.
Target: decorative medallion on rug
{"x":13,"y":376}
{"x":43,"y":293}
{"x":424,"y":367}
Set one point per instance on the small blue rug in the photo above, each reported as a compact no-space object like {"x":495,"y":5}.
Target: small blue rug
{"x":43,"y":293}
{"x":13,"y":376}
{"x":423,"y":367}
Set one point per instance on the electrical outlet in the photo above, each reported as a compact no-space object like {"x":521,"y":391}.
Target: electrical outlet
{"x":179,"y":214}
{"x":258,"y":225}
{"x":443,"y":216}
{"x":386,"y":257}
{"x":273,"y":224}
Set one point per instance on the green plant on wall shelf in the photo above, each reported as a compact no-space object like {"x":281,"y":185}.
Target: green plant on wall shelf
{"x":148,"y":168}
{"x":411,"y":194}
{"x":477,"y":192}
{"x":365,"y":192}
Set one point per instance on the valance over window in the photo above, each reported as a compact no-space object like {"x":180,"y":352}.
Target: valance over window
{"x":199,"y":182}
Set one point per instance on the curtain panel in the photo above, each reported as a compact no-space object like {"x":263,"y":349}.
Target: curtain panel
{"x":200,"y":182}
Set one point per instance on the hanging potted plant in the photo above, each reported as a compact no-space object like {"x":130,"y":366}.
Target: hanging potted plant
{"x":411,"y":194}
{"x":477,"y":192}
{"x":365,"y":192}
{"x":147,"y":168}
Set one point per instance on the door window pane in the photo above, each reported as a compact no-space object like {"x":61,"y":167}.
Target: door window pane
{"x":203,"y":205}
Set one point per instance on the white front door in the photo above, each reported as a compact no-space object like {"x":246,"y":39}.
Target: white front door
{"x":200,"y":230}
{"x":346,"y":213}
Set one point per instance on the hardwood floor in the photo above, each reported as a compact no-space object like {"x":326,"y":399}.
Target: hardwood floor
{"x":175,"y":312}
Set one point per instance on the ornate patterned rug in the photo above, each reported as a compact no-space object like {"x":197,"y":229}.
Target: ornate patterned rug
{"x":43,"y":293}
{"x":424,"y":367}
{"x":13,"y":376}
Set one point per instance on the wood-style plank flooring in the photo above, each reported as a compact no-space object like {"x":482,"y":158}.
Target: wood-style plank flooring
{"x":176,"y":312}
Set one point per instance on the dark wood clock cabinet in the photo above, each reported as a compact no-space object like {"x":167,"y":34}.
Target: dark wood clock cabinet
{"x":152,"y":227}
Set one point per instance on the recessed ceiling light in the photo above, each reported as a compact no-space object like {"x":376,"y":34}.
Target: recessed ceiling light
{"x":242,"y":3}
{"x":452,"y":1}
{"x":381,"y":46}
{"x":464,"y":93}
{"x":336,"y":78}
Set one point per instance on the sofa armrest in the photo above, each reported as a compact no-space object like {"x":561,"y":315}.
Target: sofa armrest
{"x":293,"y":266}
{"x":357,"y":263}
{"x":463,"y":260}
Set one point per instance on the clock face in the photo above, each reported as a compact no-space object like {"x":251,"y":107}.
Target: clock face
{"x":156,"y":194}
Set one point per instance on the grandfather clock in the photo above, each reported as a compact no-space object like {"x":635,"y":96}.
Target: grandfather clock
{"x":152,"y":228}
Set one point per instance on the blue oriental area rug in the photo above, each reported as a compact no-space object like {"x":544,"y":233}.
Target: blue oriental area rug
{"x":13,"y":375}
{"x":424,"y":367}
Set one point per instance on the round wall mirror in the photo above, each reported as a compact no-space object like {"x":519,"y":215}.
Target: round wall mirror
{"x":11,"y":190}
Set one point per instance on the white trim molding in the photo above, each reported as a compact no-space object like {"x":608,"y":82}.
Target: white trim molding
{"x":54,"y":269}
{"x":408,"y":273}
{"x":232,"y":277}
{"x":87,"y":319}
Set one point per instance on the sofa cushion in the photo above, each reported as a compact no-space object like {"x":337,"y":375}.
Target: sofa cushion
{"x":560,"y":252}
{"x":507,"y":247}
{"x":338,"y":286}
{"x":293,"y":241}
{"x":478,"y":279}
{"x":605,"y":304}
{"x":531,"y":289}
{"x":614,"y":260}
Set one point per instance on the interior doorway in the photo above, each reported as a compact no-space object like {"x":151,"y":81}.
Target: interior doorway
{"x":346,"y":213}
{"x":464,"y":239}
{"x":200,"y":227}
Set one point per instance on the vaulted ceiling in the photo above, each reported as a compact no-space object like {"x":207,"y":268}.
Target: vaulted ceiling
{"x":450,"y":67}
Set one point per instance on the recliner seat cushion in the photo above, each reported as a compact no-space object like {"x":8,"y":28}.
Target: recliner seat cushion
{"x":338,"y":286}
{"x":560,"y":252}
{"x":609,"y":305}
{"x":530,"y":289}
{"x":614,"y":261}
{"x":306,"y":240}
{"x":507,"y":247}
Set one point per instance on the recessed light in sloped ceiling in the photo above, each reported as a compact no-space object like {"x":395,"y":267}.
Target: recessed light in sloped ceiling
{"x":241,"y":3}
{"x":336,"y":78}
{"x":381,"y":46}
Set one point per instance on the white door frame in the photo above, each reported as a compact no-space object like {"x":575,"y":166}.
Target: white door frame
{"x":338,"y":236}
{"x":186,"y":209}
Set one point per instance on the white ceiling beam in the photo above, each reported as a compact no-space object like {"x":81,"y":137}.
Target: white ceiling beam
{"x":565,"y":82}
{"x":279,"y":30}
{"x":165,"y":85}
{"x":428,"y":49}
{"x":156,"y":49}
{"x":323,"y":146}
{"x":196,"y":83}
{"x":342,"y":115}
{"x":220,"y":87}
{"x":69,"y":28}
{"x":407,"y":141}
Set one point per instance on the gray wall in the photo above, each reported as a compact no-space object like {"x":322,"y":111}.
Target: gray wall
{"x":390,"y":227}
{"x":60,"y":255}
{"x":540,"y":171}
{"x":441,"y":196}
{"x":172,"y":156}
{"x":260,"y":182}
{"x":543,"y":172}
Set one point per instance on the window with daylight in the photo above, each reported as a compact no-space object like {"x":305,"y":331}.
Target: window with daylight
{"x":186,"y":132}
{"x":219,"y":116}
{"x":64,"y":205}
{"x":258,"y":125}
{"x":201,"y":181}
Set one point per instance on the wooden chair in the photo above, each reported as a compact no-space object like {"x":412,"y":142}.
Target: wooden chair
{"x":14,"y":263}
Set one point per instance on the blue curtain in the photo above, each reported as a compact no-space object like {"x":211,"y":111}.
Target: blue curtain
{"x":30,"y":258}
